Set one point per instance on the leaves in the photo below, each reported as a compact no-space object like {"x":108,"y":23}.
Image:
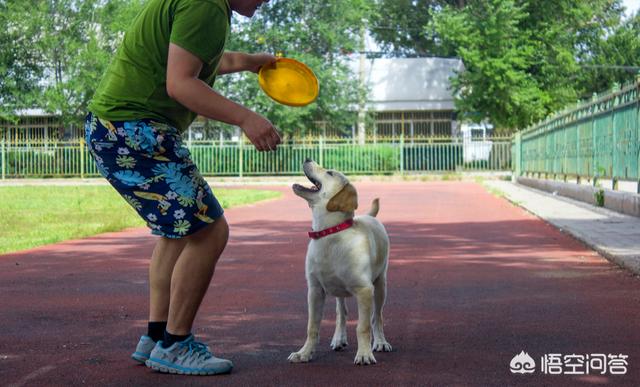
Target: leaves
{"x":55,"y":52}
{"x":523,"y":59}
{"x":622,"y":48}
{"x":399,"y":26}
{"x":19,"y":70}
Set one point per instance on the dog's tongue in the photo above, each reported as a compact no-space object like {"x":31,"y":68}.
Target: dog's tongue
{"x":302,"y":187}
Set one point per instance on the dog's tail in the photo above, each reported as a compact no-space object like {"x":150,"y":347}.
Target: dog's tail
{"x":375,"y":207}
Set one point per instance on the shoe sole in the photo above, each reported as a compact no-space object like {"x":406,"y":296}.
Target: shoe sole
{"x":169,"y":370}
{"x":139,"y":358}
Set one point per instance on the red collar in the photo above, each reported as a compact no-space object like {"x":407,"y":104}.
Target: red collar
{"x":331,"y":230}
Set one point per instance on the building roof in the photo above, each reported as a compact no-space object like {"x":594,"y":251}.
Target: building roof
{"x":34,"y":113}
{"x":398,"y":84}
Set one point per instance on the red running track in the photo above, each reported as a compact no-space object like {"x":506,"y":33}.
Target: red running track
{"x":473,"y":281}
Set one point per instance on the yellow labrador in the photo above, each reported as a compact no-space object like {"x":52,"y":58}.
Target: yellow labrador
{"x":346,"y":257}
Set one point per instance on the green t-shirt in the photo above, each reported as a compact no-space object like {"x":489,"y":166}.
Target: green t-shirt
{"x":134,"y":85}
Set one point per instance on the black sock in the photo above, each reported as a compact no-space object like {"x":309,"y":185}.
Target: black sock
{"x":169,"y":339}
{"x":156,"y":330}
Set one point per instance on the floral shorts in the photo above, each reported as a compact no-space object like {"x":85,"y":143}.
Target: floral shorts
{"x":146,"y":162}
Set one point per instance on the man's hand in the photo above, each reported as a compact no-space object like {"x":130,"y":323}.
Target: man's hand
{"x":260,"y":132}
{"x":255,"y":61}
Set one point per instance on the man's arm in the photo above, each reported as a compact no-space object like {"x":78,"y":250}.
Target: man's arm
{"x":184,"y":86}
{"x":233,"y":62}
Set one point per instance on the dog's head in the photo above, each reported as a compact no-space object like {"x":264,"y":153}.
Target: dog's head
{"x":331,"y":190}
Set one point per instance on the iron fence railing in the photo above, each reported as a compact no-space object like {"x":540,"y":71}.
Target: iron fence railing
{"x":597,"y":139}
{"x":239,"y":158}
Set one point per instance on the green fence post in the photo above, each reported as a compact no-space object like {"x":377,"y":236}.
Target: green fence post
{"x":578,"y":150}
{"x":594,"y":159}
{"x":321,"y":150}
{"x":241,"y":154}
{"x":4,"y":160}
{"x":402,"y":153}
{"x":638,"y":126}
{"x":614,"y":144}
{"x":402,"y":146}
{"x":518,"y":154}
{"x":82,"y":158}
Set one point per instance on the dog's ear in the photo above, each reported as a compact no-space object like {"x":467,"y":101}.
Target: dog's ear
{"x":344,"y":201}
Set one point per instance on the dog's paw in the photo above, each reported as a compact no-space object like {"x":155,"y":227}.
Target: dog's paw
{"x":381,"y":346}
{"x":364,"y":358}
{"x":300,"y":357}
{"x":338,"y":343}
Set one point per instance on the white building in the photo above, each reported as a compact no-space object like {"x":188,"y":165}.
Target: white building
{"x":410,"y":93}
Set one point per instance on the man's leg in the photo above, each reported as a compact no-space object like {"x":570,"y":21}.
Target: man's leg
{"x":164,"y":257}
{"x":192,"y":274}
{"x":163,"y":260}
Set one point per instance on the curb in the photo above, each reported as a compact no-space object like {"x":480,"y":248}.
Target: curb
{"x":622,"y":202}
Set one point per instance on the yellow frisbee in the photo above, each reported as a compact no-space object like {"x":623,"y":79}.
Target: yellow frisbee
{"x":289,"y":82}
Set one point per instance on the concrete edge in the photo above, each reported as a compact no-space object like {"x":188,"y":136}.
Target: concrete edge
{"x":623,"y":202}
{"x":630,"y":264}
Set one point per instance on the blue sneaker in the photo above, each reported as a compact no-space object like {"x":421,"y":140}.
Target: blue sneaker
{"x":187,"y":357}
{"x":143,"y":349}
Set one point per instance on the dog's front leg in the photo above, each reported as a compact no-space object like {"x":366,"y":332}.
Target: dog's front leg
{"x":315,"y":298}
{"x":339,"y":340}
{"x":365,"y":304}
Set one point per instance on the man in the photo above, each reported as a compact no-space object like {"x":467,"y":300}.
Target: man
{"x":159,"y":80}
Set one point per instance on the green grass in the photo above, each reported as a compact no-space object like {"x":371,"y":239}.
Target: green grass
{"x":494,"y":191}
{"x":32,"y":216}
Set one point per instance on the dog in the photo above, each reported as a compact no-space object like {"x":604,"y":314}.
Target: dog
{"x":346,"y":257}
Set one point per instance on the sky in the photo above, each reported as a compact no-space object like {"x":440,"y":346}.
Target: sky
{"x":631,"y":5}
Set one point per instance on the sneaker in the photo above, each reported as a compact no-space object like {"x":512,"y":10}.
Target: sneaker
{"x":143,"y":349}
{"x":187,"y":357}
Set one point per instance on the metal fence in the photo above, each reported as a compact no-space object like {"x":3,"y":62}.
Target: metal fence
{"x":598,"y":139}
{"x":239,"y":158}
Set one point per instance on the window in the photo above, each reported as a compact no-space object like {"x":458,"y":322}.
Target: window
{"x":415,"y":124}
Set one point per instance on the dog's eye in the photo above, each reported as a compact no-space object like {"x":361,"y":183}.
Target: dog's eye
{"x":330,"y":173}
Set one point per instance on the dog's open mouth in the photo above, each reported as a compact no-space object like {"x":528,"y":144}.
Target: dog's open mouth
{"x":315,"y":188}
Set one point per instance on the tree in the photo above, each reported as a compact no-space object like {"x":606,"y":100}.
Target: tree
{"x":398,"y":26}
{"x":54,"y":52}
{"x":77,"y":40}
{"x":522,"y":58}
{"x":615,"y":59}
{"x":497,"y":54}
{"x":566,"y":35}
{"x":19,"y":71}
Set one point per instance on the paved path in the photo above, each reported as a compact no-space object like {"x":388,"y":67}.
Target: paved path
{"x":473,"y":280}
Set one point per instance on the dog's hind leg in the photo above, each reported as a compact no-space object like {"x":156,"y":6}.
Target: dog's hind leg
{"x":380,"y":293}
{"x":315,"y":298}
{"x":339,"y":340}
{"x":365,"y":308}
